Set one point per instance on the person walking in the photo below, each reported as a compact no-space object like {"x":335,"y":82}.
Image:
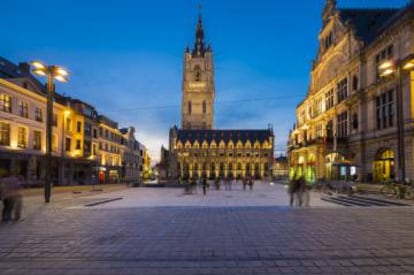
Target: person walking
{"x":7,"y":197}
{"x":204,"y":183}
{"x":251,"y":182}
{"x":244,"y":183}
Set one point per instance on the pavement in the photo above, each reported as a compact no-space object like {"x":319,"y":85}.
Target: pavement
{"x":164,"y":231}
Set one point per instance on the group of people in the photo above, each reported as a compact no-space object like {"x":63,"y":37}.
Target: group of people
{"x":228,"y":183}
{"x":298,"y":192}
{"x":11,"y":195}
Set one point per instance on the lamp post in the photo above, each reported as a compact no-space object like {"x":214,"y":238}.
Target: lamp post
{"x":51,"y":72}
{"x":396,"y":68}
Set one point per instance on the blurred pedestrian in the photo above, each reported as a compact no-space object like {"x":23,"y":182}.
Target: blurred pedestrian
{"x":244,"y":183}
{"x":7,"y":197}
{"x":204,"y":183}
{"x":251,"y":182}
{"x":17,"y":196}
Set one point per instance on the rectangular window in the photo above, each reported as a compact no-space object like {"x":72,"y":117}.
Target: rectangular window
{"x":95,"y":133}
{"x":88,"y":129}
{"x":39,"y":114}
{"x":318,"y":107}
{"x":78,"y":144}
{"x":329,"y":130}
{"x":67,"y":144}
{"x":68,"y":124}
{"x":342,"y":127}
{"x":54,"y":143}
{"x":86,"y":148}
{"x":342,"y":90}
{"x":23,"y":109}
{"x":384,"y":55}
{"x":37,"y":140}
{"x":319,"y":130}
{"x":329,"y":99}
{"x":22,"y":137}
{"x":55,"y":119}
{"x":384,"y":106}
{"x":94,"y":149}
{"x":5,"y":103}
{"x":4,"y":133}
{"x":78,"y":126}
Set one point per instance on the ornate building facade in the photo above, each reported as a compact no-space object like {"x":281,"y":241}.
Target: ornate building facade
{"x":197,"y":149}
{"x":356,"y":119}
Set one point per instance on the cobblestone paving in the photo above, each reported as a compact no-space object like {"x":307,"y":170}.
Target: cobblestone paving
{"x":61,"y":239}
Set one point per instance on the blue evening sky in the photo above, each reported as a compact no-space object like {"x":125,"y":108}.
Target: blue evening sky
{"x":126,"y":56}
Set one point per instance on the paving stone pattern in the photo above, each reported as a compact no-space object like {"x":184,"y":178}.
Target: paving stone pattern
{"x":62,"y":239}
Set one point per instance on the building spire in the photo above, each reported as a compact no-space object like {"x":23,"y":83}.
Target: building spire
{"x":328,"y":11}
{"x":199,"y":46}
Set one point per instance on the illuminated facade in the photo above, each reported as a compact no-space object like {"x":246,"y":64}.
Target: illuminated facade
{"x":86,"y":147}
{"x":197,"y":149}
{"x":348,"y":124}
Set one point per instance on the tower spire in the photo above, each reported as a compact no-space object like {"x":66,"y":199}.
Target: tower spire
{"x":328,"y":11}
{"x":199,"y":46}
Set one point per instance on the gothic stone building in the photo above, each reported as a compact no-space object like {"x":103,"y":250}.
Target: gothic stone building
{"x":357,"y":118}
{"x":197,"y":149}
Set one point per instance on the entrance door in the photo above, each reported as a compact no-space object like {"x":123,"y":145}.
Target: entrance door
{"x":384,"y":166}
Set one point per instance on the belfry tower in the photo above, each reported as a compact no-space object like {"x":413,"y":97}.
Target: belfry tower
{"x":197,"y":104}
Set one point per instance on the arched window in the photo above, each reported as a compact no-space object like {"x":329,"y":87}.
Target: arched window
{"x":197,"y":73}
{"x":355,"y":83}
{"x":204,"y":107}
{"x":189,"y":107}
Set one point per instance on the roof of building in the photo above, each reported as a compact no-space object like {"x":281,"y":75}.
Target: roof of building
{"x":367,"y":22}
{"x":225,"y":135}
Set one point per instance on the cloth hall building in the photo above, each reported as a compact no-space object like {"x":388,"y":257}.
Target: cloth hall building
{"x":197,"y":149}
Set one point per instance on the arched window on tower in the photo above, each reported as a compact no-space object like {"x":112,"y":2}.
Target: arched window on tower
{"x":189,"y":107}
{"x":197,"y":73}
{"x":204,"y":107}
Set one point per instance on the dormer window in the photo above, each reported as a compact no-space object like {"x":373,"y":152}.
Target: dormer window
{"x":329,"y":40}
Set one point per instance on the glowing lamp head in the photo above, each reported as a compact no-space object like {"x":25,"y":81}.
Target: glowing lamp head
{"x":386,"y":65}
{"x":61,"y":71}
{"x":387,"y":72}
{"x":39,"y":71}
{"x":409,"y":65}
{"x":61,"y":78}
{"x":38,"y":65}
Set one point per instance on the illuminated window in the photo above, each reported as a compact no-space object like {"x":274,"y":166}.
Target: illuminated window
{"x":78,"y":144}
{"x":5,"y":103}
{"x":54,"y":143}
{"x":4,"y":133}
{"x":37,"y":140}
{"x":23,"y":109}
{"x":22,"y":137}
{"x":384,"y":55}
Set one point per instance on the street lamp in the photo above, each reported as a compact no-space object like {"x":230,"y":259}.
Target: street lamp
{"x":396,"y":68}
{"x":51,"y":72}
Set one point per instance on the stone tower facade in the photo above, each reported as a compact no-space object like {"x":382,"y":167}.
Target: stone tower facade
{"x":197,"y":105}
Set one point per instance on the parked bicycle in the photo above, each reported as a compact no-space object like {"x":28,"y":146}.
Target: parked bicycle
{"x":393,"y":189}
